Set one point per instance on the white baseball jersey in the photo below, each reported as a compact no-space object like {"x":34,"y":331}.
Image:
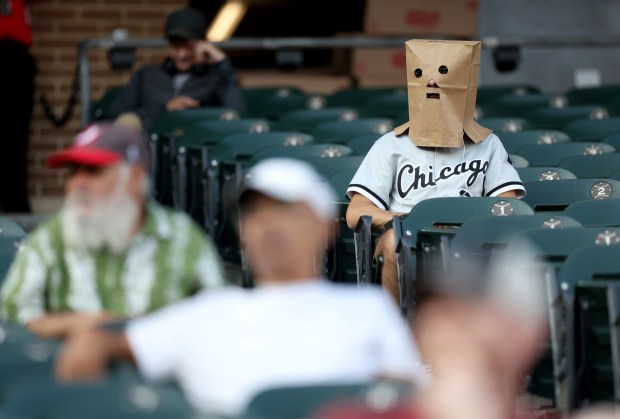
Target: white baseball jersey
{"x":396,"y":174}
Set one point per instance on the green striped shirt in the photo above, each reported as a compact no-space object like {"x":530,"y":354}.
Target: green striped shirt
{"x":170,"y":259}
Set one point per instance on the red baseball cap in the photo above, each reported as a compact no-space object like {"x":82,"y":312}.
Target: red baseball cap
{"x":104,"y":145}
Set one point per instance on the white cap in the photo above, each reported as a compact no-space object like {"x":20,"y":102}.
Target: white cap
{"x":290,"y":180}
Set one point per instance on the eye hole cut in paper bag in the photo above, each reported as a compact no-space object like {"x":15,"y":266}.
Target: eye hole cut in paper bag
{"x":439,"y":115}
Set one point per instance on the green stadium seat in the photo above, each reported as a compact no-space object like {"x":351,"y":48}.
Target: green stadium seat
{"x":543,"y":173}
{"x":593,"y":95}
{"x":553,"y":154}
{"x":419,"y":235}
{"x":518,"y":106}
{"x":355,"y":96}
{"x":306,"y":401}
{"x":273,"y":107}
{"x":257,"y":94}
{"x":500,"y":124}
{"x":306,"y":119}
{"x":118,"y":397}
{"x":613,"y":140}
{"x":557,"y":195}
{"x":362,"y":144}
{"x":312,"y":150}
{"x":341,"y":262}
{"x":589,"y":272}
{"x":592,"y":130}
{"x":615,"y":175}
{"x":101,"y":107}
{"x":12,"y":236}
{"x":243,"y":146}
{"x":211,"y":132}
{"x":481,"y":236}
{"x":329,"y":167}
{"x":387,"y":106}
{"x":343,"y":131}
{"x":558,"y":118}
{"x":487,"y":94}
{"x":591,"y":166}
{"x":519,"y":161}
{"x":595,"y":213}
{"x":175,"y":122}
{"x":513,"y":141}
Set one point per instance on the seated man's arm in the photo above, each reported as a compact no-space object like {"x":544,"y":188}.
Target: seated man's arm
{"x":501,"y":178}
{"x":360,"y":206}
{"x":62,"y":325}
{"x":155,"y":343}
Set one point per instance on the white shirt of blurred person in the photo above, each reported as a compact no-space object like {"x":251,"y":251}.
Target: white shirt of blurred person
{"x":110,"y":251}
{"x":195,"y":73}
{"x":293,"y":329}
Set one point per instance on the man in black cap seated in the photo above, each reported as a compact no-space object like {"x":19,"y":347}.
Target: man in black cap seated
{"x":196,"y":73}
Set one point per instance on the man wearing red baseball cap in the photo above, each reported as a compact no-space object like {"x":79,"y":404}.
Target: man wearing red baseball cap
{"x":110,"y":251}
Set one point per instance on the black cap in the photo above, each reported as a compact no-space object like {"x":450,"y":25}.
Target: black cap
{"x":188,"y":24}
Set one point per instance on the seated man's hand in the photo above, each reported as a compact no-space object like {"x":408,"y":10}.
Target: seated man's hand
{"x":182,"y":102}
{"x":84,"y":357}
{"x":207,"y":53}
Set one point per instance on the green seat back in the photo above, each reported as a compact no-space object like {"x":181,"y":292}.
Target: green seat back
{"x":553,"y":154}
{"x":305,"y":401}
{"x":306,"y":119}
{"x":312,"y":150}
{"x":486,"y":94}
{"x":387,"y":106}
{"x":613,"y":140}
{"x":592,"y":130}
{"x":273,"y":107}
{"x":480,"y":236}
{"x":543,"y":173}
{"x":362,"y":144}
{"x":256,"y":94}
{"x":557,"y":195}
{"x":342,"y":131}
{"x":355,"y":96}
{"x":243,"y":146}
{"x":558,"y":118}
{"x":504,"y":124}
{"x":592,"y":166}
{"x":449,"y":213}
{"x":518,"y":161}
{"x":593,"y":95}
{"x":513,"y":141}
{"x":176,"y":122}
{"x":340,"y":182}
{"x":596,"y":213}
{"x":517,"y":106}
{"x":329,"y":167}
{"x":211,"y":132}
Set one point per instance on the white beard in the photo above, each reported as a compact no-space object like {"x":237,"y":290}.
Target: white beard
{"x":109,"y":225}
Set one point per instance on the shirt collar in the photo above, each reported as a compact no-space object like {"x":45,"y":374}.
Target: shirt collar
{"x":157,"y":223}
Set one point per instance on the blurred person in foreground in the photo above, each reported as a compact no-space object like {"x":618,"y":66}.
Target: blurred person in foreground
{"x":295,"y":328}
{"x":480,"y":331}
{"x":196,"y":73}
{"x":110,"y":251}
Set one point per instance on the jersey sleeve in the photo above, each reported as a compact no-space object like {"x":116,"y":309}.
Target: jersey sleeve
{"x":501,"y":175}
{"x":375,"y":176}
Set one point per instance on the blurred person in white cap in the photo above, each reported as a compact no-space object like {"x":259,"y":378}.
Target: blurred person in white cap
{"x":295,"y":328}
{"x":110,"y":251}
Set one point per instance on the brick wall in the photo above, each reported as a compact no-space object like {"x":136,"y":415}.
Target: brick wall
{"x":58,"y":26}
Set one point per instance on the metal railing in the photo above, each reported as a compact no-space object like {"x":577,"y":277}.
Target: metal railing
{"x":313,"y":43}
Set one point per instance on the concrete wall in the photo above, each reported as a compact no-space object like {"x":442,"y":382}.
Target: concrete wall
{"x":551,"y":69}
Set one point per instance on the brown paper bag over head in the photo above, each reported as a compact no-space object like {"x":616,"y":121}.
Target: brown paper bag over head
{"x":440,"y":114}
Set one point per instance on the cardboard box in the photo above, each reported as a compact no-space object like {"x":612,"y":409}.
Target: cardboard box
{"x":454,"y":18}
{"x":380,"y":66}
